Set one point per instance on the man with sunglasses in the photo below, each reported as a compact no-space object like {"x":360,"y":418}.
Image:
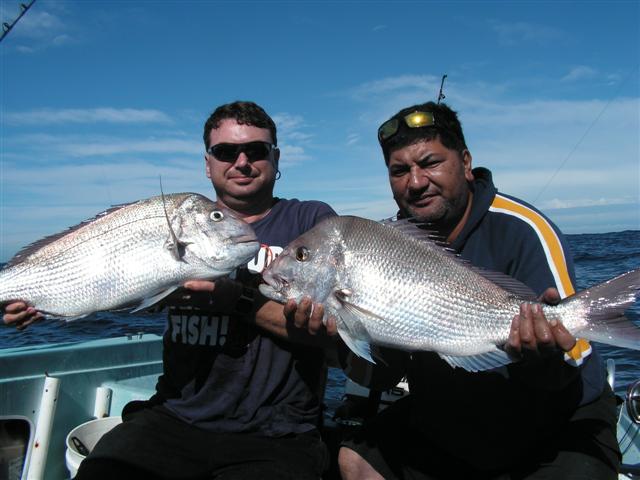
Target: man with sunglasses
{"x":238,"y":398}
{"x":550,"y":414}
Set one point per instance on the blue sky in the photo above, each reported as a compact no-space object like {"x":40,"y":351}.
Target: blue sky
{"x":100,"y":98}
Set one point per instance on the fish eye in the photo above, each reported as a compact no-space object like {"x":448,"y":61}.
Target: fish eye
{"x":216,"y":215}
{"x":302,"y":254}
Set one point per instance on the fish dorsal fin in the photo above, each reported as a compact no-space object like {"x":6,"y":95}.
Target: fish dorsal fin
{"x":510,"y":284}
{"x":477,"y":363}
{"x":23,"y":255}
{"x":422,"y":232}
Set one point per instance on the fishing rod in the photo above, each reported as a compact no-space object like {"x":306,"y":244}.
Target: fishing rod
{"x":584,"y":135}
{"x":6,"y":27}
{"x":441,"y":94}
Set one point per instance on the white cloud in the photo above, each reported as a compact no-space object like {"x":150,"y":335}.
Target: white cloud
{"x":122,"y":146}
{"x":286,"y":122}
{"x":62,"y":39}
{"x":378,"y":28}
{"x":38,"y":24}
{"x":92,"y":115}
{"x":556,"y":203}
{"x":352,"y":139}
{"x":395,"y":84}
{"x":292,"y":139}
{"x":516,"y":33}
{"x":38,"y":29}
{"x":291,"y":155}
{"x":44,"y":148}
{"x":579,"y":72}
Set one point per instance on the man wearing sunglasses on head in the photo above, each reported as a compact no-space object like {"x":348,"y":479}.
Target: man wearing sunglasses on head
{"x":239,"y":397}
{"x":550,"y":414}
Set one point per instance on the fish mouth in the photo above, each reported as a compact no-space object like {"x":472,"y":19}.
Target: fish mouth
{"x":273,"y":286}
{"x":247,"y":238}
{"x":272,"y":292}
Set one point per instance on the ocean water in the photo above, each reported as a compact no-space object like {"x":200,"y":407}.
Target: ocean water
{"x":597,"y":258}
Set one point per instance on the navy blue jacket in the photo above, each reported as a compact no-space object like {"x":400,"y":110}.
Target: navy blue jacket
{"x":479,"y":412}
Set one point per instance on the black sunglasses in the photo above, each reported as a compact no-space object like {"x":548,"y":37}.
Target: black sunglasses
{"x":228,"y":152}
{"x":414,"y":120}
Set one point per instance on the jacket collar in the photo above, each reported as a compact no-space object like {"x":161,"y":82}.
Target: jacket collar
{"x":483,"y":194}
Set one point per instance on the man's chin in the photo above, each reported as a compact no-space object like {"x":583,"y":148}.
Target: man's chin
{"x":425,"y":215}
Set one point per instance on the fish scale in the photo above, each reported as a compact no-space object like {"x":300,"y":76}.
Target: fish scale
{"x":431,"y":296}
{"x":127,"y":255}
{"x":390,"y":284}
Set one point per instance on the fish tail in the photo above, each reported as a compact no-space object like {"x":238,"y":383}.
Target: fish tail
{"x":606,"y":304}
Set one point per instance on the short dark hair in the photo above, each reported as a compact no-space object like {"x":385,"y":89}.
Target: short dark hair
{"x":447,"y":129}
{"x":245,"y":113}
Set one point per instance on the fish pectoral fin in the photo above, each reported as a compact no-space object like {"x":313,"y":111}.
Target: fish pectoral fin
{"x":150,"y":301}
{"x":354,"y":310}
{"x":477,"y":363}
{"x":360,"y":347}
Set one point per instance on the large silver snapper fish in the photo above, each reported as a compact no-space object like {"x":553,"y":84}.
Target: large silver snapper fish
{"x":129,"y":256}
{"x":390,"y":284}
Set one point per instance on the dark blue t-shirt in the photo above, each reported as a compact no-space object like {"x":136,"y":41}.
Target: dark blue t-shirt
{"x":224,"y":374}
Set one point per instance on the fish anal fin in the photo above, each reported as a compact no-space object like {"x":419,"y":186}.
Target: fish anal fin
{"x":477,"y":363}
{"x":360,"y":347}
{"x":150,"y":301}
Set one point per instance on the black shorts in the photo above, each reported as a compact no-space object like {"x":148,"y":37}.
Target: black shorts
{"x":585,"y":447}
{"x":153,"y":444}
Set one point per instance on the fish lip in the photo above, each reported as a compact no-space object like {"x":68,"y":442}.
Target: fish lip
{"x":246,"y":238}
{"x":276,"y":283}
{"x":270,"y":292}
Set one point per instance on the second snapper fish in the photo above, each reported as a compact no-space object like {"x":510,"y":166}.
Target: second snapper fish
{"x":130,"y":256}
{"x":388,"y":284}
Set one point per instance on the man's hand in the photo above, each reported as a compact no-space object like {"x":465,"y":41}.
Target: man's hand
{"x":308,"y":315}
{"x":533,"y":336}
{"x":20,"y":315}
{"x":220,"y":295}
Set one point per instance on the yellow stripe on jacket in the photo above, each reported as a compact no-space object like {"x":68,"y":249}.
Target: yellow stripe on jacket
{"x":548,"y":238}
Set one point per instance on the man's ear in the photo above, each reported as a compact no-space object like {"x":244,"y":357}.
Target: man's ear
{"x":468,"y":167}
{"x":207,"y":167}
{"x":276,"y":157}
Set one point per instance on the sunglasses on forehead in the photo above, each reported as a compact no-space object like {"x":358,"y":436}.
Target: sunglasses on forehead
{"x":229,"y":152}
{"x":414,"y":120}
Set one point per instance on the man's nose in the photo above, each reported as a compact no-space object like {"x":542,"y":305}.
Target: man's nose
{"x":418,"y":180}
{"x":242,"y":161}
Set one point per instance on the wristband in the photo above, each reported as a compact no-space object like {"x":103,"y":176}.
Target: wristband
{"x":579,"y":353}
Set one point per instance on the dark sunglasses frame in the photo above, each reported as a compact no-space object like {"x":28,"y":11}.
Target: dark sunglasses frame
{"x":229,"y":152}
{"x":415,"y":119}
